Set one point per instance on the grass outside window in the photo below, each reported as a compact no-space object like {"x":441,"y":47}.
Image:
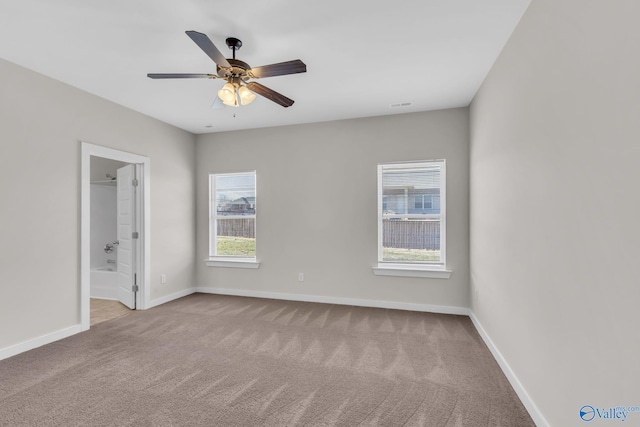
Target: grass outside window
{"x":236,"y":246}
{"x":410,"y":255}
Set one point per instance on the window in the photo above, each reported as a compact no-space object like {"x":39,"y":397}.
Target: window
{"x":232,"y":216}
{"x":411,"y":218}
{"x":424,"y":202}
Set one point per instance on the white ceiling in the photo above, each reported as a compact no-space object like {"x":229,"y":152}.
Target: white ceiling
{"x":361,"y":55}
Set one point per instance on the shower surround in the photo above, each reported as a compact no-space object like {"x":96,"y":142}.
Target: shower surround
{"x":103,"y":231}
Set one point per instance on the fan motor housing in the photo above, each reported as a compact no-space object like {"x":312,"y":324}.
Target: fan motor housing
{"x":238,"y":68}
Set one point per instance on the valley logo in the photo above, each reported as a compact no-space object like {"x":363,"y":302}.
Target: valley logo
{"x":617,"y":413}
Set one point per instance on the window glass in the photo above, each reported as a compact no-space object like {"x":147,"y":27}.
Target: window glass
{"x":233,"y":215}
{"x":411,"y":209}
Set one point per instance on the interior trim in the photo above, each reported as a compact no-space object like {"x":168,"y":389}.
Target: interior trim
{"x":13,"y":350}
{"x":404,"y":270}
{"x":442,"y":309}
{"x":526,"y":400}
{"x":168,"y":298}
{"x":232,"y":262}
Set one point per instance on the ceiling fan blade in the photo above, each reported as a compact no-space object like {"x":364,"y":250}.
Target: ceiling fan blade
{"x":270,"y":94}
{"x":209,"y":48}
{"x":182,"y":76}
{"x":279,"y":69}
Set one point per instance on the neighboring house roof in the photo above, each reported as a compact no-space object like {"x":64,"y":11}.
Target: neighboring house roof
{"x":243,"y":201}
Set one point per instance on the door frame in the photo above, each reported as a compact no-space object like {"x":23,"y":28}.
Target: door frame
{"x":143,"y":266}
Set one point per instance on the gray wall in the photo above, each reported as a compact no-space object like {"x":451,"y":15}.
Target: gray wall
{"x":317,"y":205}
{"x":42,"y":122}
{"x":555,"y":205}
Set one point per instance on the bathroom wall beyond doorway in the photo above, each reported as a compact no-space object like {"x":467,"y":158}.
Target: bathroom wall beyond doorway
{"x":103,"y":261}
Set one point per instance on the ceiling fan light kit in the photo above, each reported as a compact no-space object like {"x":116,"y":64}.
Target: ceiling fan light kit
{"x":245,"y":95}
{"x":227,"y":94}
{"x":231,"y":92}
{"x":239,"y":90}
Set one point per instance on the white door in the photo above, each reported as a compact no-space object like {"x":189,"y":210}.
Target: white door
{"x":126,"y":242}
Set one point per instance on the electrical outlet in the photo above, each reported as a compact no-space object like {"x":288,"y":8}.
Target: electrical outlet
{"x":300,"y":277}
{"x":163,"y":278}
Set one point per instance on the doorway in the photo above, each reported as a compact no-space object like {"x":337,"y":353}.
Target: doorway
{"x":119,"y":199}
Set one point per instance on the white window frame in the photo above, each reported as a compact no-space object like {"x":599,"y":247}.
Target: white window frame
{"x":413,"y":269}
{"x":233,"y":261}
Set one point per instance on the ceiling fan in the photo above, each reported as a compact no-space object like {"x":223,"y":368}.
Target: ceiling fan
{"x":239,"y":90}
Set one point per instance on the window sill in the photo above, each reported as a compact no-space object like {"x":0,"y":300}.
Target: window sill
{"x":232,"y":262}
{"x":409,"y":270}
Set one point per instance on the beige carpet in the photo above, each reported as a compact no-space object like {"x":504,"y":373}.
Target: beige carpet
{"x":208,"y":360}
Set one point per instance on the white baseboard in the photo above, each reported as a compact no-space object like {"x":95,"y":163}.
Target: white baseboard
{"x":443,"y":309}
{"x":39,"y":341}
{"x":528,"y":403}
{"x":165,"y":299}
{"x":72,"y":330}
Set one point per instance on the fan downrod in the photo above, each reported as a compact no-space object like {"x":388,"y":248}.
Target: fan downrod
{"x":234,"y":44}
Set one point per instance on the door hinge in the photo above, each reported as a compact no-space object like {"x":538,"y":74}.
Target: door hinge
{"x":134,"y":182}
{"x":135,"y":235}
{"x":135,"y":288}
